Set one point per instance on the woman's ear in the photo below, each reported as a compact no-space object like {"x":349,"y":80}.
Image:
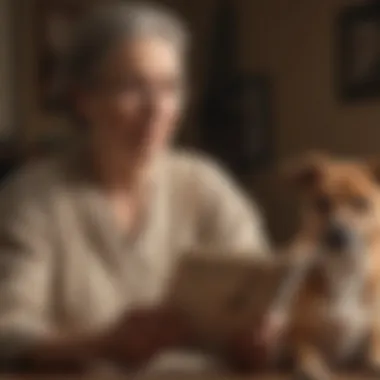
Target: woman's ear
{"x":305,"y":171}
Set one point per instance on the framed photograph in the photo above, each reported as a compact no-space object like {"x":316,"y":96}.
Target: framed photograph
{"x":54,"y":20}
{"x":239,"y":124}
{"x":358,"y":47}
{"x":8,"y":73}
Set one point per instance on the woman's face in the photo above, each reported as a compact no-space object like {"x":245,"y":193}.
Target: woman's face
{"x":136,"y":104}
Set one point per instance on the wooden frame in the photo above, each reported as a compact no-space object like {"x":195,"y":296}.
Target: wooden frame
{"x":8,"y":71}
{"x":358,"y":48}
{"x":239,"y":130}
{"x":54,"y":21}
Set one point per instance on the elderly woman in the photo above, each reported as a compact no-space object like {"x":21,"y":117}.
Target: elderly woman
{"x":88,"y":239}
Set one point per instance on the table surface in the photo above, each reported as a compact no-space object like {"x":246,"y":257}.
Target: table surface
{"x":175,"y":377}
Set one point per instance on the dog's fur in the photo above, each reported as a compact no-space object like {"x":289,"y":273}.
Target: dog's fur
{"x":336,"y":307}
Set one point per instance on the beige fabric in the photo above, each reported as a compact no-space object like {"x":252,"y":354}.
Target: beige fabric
{"x":64,"y":263}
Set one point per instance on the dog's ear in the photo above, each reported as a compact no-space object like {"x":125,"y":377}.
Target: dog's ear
{"x":373,"y":164}
{"x":305,"y":171}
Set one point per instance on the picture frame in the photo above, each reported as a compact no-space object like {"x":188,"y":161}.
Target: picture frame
{"x":8,"y":71}
{"x":54,"y":22}
{"x":358,"y":52}
{"x":239,"y":124}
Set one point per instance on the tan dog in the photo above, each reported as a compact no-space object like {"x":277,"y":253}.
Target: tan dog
{"x":336,"y":307}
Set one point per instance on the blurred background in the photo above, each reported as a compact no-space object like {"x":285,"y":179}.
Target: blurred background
{"x":270,"y":79}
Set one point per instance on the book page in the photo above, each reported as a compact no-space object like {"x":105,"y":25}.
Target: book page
{"x":221,"y":295}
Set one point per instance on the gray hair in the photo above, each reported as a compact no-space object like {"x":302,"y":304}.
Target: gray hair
{"x":106,"y":26}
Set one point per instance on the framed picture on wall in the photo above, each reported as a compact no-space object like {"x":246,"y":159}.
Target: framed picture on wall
{"x":358,"y":48}
{"x":239,"y":127}
{"x":8,"y":72}
{"x":54,"y":20}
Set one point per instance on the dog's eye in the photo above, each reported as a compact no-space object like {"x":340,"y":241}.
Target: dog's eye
{"x":360,"y":203}
{"x":323,"y":204}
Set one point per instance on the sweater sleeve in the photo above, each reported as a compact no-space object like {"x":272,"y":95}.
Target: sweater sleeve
{"x":25,"y":253}
{"x":230,"y":220}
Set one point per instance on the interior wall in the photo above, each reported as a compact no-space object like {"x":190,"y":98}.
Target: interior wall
{"x":35,"y":121}
{"x":293,"y":42}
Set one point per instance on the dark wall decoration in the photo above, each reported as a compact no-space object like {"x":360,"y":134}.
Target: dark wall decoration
{"x":54,"y":22}
{"x":237,"y":106}
{"x":358,"y":51}
{"x":238,"y":129}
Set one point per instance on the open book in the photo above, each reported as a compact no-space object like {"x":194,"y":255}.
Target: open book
{"x":221,"y":294}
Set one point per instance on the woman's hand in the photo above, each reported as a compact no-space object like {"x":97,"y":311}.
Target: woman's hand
{"x":143,"y":333}
{"x":253,"y":348}
{"x":136,"y":338}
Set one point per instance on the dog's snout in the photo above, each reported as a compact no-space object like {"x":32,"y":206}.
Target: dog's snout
{"x":337,"y":237}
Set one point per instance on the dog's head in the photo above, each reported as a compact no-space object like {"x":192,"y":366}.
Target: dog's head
{"x":341,"y":200}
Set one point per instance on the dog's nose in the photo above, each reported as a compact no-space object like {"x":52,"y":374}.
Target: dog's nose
{"x":337,"y":237}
